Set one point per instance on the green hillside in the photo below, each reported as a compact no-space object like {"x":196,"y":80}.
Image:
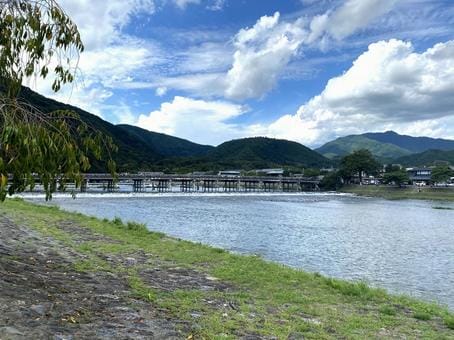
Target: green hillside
{"x":261,"y":152}
{"x":385,"y":146}
{"x":410,"y":143}
{"x":427,"y":158}
{"x":138,"y":149}
{"x":166,"y":145}
{"x":143,"y":150}
{"x":346,"y":145}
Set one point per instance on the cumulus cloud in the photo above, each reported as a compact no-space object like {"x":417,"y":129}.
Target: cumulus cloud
{"x":201,"y":121}
{"x":390,"y":86}
{"x":262,"y":52}
{"x":110,"y":57}
{"x":99,"y":22}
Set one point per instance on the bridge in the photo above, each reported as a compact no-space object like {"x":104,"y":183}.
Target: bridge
{"x":144,"y":182}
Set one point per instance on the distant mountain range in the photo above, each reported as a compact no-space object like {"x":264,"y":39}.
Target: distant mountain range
{"x":387,"y":146}
{"x":143,"y":150}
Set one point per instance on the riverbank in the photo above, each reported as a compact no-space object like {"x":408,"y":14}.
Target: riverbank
{"x":390,"y":192}
{"x":69,"y":274}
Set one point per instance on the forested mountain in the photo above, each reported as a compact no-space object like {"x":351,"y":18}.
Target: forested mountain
{"x":143,"y":150}
{"x":166,"y":145}
{"x":260,"y":152}
{"x":346,"y":145}
{"x":410,"y":143}
{"x":138,"y":149}
{"x":429,"y":157}
{"x":386,"y":146}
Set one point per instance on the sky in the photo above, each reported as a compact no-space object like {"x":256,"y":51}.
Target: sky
{"x":303,"y":70}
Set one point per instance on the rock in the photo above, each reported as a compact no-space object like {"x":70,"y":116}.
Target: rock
{"x":62,"y":337}
{"x":130,"y":261}
{"x":8,"y":330}
{"x":39,"y":309}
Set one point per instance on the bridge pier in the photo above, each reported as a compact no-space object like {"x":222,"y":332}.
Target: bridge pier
{"x":138,"y":185}
{"x":230,"y":185}
{"x":250,"y":186}
{"x":209,"y":185}
{"x":186,"y":185}
{"x":163,"y":185}
{"x":270,"y":186}
{"x":109,"y":186}
{"x":288,"y":186}
{"x":84,"y":185}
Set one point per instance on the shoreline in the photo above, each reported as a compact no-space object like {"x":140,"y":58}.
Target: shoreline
{"x":208,"y":292}
{"x":396,"y":193}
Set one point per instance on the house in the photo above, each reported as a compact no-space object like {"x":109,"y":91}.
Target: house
{"x":229,"y":173}
{"x":270,"y":172}
{"x":420,"y":175}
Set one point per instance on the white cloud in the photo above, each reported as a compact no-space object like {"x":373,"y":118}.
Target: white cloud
{"x":161,"y":91}
{"x":182,"y":4}
{"x":262,"y":52}
{"x":217,"y":5}
{"x":205,"y":122}
{"x":348,"y":18}
{"x":390,"y":86}
{"x":99,"y":22}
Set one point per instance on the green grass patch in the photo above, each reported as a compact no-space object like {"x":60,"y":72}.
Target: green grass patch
{"x":140,"y":289}
{"x":265,"y":299}
{"x":396,"y":193}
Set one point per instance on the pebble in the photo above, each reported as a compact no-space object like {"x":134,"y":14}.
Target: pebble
{"x":130,"y":261}
{"x":10,"y":331}
{"x":38,"y":309}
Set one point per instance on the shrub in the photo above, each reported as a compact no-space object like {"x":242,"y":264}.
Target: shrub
{"x":117,"y":221}
{"x":136,"y":226}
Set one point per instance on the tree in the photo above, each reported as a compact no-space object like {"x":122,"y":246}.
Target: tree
{"x":392,"y":168}
{"x":358,"y":162}
{"x":397,"y":177}
{"x":331,"y":181}
{"x":442,"y":173}
{"x":37,"y":38}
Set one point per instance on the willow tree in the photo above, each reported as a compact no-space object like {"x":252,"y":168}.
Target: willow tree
{"x":38,"y":39}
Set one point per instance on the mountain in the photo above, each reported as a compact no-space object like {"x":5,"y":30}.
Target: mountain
{"x":426,"y":158}
{"x":386,"y":146}
{"x":262,"y":152}
{"x":143,"y":150}
{"x":346,"y":145}
{"x":138,"y":149}
{"x":166,"y":145}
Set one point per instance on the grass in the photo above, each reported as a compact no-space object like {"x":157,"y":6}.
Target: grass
{"x":396,"y":193}
{"x":265,"y":299}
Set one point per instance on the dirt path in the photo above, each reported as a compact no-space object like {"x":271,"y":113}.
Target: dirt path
{"x":43,"y":297}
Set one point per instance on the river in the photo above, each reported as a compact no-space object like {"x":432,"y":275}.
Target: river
{"x":404,"y":246}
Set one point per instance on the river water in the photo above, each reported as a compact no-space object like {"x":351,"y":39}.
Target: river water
{"x":404,"y":246}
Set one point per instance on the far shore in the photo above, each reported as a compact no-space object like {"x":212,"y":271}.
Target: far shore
{"x":397,"y":193}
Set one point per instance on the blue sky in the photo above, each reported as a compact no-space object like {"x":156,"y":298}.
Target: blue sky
{"x":304,"y":70}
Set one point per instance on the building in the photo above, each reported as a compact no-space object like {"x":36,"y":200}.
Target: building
{"x":420,"y":175}
{"x":270,"y":172}
{"x":230,"y":173}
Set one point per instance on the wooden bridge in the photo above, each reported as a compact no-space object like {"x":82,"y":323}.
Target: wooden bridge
{"x":196,"y":183}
